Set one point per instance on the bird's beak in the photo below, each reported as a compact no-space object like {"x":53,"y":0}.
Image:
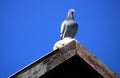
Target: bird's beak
{"x":72,"y":10}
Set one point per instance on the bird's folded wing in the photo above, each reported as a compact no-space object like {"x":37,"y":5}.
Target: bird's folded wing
{"x":62,"y":28}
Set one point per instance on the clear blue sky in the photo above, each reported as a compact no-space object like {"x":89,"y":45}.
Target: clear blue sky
{"x":29,"y":29}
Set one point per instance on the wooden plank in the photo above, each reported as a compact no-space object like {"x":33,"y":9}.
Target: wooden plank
{"x":43,"y":65}
{"x":94,"y":62}
{"x":58,"y":56}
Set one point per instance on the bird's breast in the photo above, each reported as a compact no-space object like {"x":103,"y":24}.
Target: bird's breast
{"x":71,"y":23}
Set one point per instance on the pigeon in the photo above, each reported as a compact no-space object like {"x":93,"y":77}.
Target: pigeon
{"x":69,"y":26}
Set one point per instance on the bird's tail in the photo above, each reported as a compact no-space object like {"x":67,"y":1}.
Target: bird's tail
{"x":61,"y":37}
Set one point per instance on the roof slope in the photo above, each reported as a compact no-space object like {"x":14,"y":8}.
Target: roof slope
{"x":74,"y":55}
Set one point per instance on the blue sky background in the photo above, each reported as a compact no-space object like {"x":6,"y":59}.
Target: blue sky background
{"x":29,"y":29}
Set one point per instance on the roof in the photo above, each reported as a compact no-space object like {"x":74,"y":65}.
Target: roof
{"x":72,"y":60}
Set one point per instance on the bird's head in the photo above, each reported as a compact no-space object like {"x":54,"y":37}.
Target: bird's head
{"x":70,"y":14}
{"x":71,"y":11}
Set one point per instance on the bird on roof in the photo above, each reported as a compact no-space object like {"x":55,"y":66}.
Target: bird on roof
{"x":69,"y":26}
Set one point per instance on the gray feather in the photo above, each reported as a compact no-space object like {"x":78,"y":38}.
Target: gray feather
{"x":69,"y":27}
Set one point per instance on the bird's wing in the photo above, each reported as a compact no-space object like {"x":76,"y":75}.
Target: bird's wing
{"x":62,"y":29}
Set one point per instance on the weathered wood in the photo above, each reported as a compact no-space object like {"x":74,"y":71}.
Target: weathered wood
{"x":43,"y":65}
{"x":58,"y":56}
{"x":94,"y":62}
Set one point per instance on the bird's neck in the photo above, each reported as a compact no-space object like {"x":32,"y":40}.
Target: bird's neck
{"x":70,"y":16}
